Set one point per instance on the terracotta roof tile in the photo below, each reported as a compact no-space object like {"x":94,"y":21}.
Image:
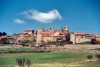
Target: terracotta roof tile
{"x":4,"y":37}
{"x":45,"y":33}
{"x":97,"y":35}
{"x":80,"y":33}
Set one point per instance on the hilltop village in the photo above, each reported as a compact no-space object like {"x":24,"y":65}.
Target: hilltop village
{"x":64,"y":34}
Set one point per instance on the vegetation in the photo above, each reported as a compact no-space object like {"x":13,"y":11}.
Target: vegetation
{"x":98,"y":49}
{"x":3,"y":33}
{"x":98,"y":56}
{"x":10,"y":59}
{"x":87,"y":42}
{"x":28,"y":63}
{"x":53,"y":59}
{"x":21,"y":62}
{"x":15,"y":49}
{"x":94,"y":41}
{"x":89,"y":57}
{"x":5,"y":41}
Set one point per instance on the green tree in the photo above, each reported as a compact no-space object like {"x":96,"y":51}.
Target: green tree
{"x":90,"y":57}
{"x":93,"y":41}
{"x":98,"y":56}
{"x":28,"y":63}
{"x":0,"y":34}
{"x":4,"y":33}
{"x":20,"y":62}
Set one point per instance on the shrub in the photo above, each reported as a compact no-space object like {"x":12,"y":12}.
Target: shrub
{"x":28,"y":63}
{"x":90,"y":57}
{"x":20,"y":62}
{"x":93,"y":41}
{"x":98,"y":56}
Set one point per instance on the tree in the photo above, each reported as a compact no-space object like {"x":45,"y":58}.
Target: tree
{"x":28,"y":63}
{"x":68,"y":37}
{"x":0,"y":34}
{"x":21,"y":62}
{"x":25,"y":42}
{"x":98,"y":56}
{"x":4,"y":33}
{"x":5,"y":41}
{"x":93,"y":41}
{"x":52,"y":42}
{"x":90,"y":57}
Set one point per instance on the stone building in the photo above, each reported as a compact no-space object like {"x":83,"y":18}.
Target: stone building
{"x":52,"y":34}
{"x":83,"y":37}
{"x":64,"y":34}
{"x":57,"y":35}
{"x":26,"y":34}
{"x":97,"y":37}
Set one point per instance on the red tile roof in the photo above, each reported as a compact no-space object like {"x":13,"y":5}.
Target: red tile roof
{"x":59,"y":35}
{"x":45,"y":33}
{"x":97,"y":35}
{"x":4,"y":37}
{"x":80,"y":33}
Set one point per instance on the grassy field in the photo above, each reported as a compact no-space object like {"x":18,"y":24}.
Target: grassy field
{"x":15,"y":49}
{"x":51,"y":59}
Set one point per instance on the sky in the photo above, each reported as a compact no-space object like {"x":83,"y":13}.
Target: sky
{"x":79,"y":15}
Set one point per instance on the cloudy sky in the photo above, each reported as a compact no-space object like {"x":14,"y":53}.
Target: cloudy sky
{"x":79,"y":15}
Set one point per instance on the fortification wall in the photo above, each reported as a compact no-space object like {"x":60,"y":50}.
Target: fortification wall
{"x":80,"y":40}
{"x":98,"y":39}
{"x":49,"y":39}
{"x":73,"y":38}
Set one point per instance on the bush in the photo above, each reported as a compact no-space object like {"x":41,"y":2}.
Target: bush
{"x":93,"y":41}
{"x":28,"y":63}
{"x":20,"y":62}
{"x":90,"y":57}
{"x":98,"y":56}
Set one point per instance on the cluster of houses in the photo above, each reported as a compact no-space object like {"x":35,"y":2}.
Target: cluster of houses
{"x":53,"y":35}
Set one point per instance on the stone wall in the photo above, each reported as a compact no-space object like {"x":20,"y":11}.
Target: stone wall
{"x":80,"y":40}
{"x":49,"y":39}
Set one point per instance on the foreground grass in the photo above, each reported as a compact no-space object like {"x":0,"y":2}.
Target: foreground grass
{"x":52,"y":59}
{"x":10,"y":59}
{"x":16,"y":49}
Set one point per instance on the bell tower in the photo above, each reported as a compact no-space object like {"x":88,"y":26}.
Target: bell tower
{"x":66,"y":29}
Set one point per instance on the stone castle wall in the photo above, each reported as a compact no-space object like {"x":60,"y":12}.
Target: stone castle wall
{"x":46,"y":39}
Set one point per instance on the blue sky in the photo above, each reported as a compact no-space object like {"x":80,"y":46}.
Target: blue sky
{"x":79,"y":15}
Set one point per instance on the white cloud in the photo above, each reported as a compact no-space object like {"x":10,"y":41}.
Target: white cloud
{"x":19,"y":21}
{"x":41,"y":16}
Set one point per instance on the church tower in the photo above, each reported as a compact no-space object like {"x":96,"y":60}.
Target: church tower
{"x":66,"y":29}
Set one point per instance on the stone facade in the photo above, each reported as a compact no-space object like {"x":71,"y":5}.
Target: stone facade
{"x":53,"y":35}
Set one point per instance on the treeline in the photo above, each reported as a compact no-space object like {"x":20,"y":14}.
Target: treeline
{"x":3,"y":33}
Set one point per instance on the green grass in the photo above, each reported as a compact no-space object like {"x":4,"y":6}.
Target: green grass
{"x":52,"y":59}
{"x":15,"y":49}
{"x":10,"y":59}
